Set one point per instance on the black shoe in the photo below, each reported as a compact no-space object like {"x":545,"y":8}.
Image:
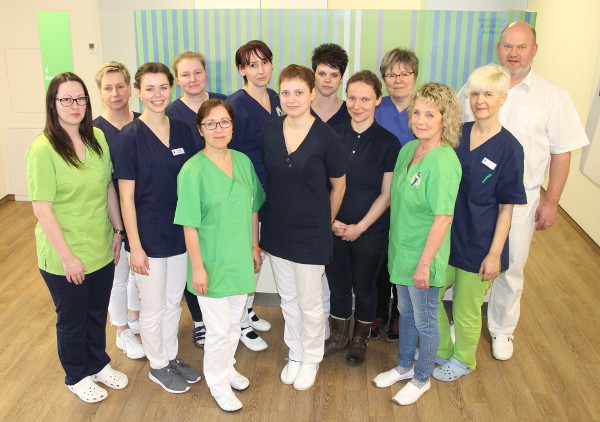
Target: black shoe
{"x":392,"y":332}
{"x":378,"y":326}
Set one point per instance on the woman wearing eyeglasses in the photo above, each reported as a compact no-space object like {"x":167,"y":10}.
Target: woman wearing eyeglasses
{"x":74,"y":200}
{"x":219,"y":196}
{"x":399,"y":69}
{"x":152,"y":150}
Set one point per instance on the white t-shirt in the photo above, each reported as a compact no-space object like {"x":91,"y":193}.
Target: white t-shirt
{"x":543,"y":118}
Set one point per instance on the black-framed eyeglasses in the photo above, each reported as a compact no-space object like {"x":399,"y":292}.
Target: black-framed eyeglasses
{"x":401,"y":75}
{"x":213,"y":125}
{"x":68,"y":102}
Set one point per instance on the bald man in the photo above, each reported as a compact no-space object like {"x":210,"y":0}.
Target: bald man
{"x":543,"y":118}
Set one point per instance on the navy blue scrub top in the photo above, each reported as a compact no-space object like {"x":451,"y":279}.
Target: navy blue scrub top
{"x":339,"y":117}
{"x":296,"y":221}
{"x":250,"y":117}
{"x":110,"y":133}
{"x":369,"y":155}
{"x":387,"y":115}
{"x":142,"y":157}
{"x":492,"y":174}
{"x":179,"y":110}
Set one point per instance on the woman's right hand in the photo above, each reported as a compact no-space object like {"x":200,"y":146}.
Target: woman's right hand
{"x":138,"y":261}
{"x":74,"y":270}
{"x":200,"y":281}
{"x":338,"y":228}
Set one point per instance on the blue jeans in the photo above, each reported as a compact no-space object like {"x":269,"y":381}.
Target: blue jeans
{"x":355,"y":268}
{"x":418,"y":320}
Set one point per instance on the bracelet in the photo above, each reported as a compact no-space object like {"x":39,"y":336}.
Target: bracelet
{"x":117,"y":231}
{"x":257,"y":248}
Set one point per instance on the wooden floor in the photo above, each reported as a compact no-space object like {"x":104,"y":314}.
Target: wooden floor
{"x":554,"y":374}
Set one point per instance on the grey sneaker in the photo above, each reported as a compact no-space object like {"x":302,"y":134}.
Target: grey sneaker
{"x":169,"y":379}
{"x":184,"y":370}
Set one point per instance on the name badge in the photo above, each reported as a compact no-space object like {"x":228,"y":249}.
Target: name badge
{"x":416,"y":179}
{"x":488,"y":163}
{"x":177,"y":151}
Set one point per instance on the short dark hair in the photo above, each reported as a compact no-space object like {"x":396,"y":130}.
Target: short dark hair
{"x":208,"y":105}
{"x":367,"y":77}
{"x":152,"y":67}
{"x":331,"y":55}
{"x":58,"y":137}
{"x":258,"y":47}
{"x":295,"y":71}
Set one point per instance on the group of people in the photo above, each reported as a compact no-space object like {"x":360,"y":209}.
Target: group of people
{"x":346,"y":198}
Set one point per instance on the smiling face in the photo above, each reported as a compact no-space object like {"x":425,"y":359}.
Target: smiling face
{"x":218,"y":138}
{"x":191,"y":76}
{"x":327,"y":80}
{"x":295,"y":96}
{"x":486,"y":104}
{"x":516,"y":51}
{"x":426,"y":121}
{"x":155,"y":91}
{"x":70,"y":117}
{"x":258,"y":71}
{"x":361,"y":101}
{"x":114,"y":91}
{"x":399,"y":88}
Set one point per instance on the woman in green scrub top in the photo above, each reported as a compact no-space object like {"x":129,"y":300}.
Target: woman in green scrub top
{"x":423,"y":193}
{"x":219,"y":196}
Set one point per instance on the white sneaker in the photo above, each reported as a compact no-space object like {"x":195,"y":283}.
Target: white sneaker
{"x":306,"y":376}
{"x":134,"y":324}
{"x":391,"y":377}
{"x":228,"y":402}
{"x":257,"y":323}
{"x":237,"y":381}
{"x":410,"y":393}
{"x":252,"y":340}
{"x":502,"y":347}
{"x":290,"y":371}
{"x":130,"y":345}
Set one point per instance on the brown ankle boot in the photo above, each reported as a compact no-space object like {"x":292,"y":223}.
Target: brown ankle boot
{"x":360,"y":340}
{"x":339,"y":335}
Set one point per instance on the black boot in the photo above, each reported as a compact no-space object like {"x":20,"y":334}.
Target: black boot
{"x":339,"y":335}
{"x":360,"y":340}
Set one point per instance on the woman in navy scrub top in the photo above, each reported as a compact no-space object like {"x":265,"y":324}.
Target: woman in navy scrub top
{"x":329,"y":62}
{"x":492,"y":183}
{"x":361,"y":228}
{"x":190,"y":75}
{"x":399,"y":69}
{"x":152,"y":150}
{"x":303,"y":156}
{"x":114,"y":83}
{"x":254,"y":105}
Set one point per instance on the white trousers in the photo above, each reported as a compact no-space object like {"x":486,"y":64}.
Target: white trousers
{"x":250,"y":301}
{"x":222,"y":320}
{"x":326,"y":298}
{"x":124,"y":294}
{"x":299,"y":286}
{"x":160,"y":311}
{"x":504,"y":307}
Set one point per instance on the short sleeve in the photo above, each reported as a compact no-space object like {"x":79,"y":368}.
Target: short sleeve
{"x":393,"y":149}
{"x":125,"y":156}
{"x":41,"y":172}
{"x":510,"y":189}
{"x":565,"y":131}
{"x":189,"y":209}
{"x":258,"y":193}
{"x":335,"y":163}
{"x":442,"y":185}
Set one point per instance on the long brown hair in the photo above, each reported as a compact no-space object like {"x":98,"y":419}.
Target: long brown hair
{"x":58,"y":137}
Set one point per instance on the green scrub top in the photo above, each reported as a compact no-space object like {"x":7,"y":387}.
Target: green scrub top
{"x":79,"y":202}
{"x":221,"y":208}
{"x":418,"y":194}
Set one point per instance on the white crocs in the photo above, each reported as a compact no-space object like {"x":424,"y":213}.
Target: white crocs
{"x":111,"y":378}
{"x":88,"y":391}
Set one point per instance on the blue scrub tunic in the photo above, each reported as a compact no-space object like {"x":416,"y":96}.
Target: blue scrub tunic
{"x":492,"y":174}
{"x":250,"y":117}
{"x":339,"y":117}
{"x":179,"y":110}
{"x":297,"y":214}
{"x":387,"y":115}
{"x":142,"y":157}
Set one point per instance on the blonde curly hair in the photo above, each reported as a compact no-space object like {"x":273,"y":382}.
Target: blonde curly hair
{"x":446,"y":101}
